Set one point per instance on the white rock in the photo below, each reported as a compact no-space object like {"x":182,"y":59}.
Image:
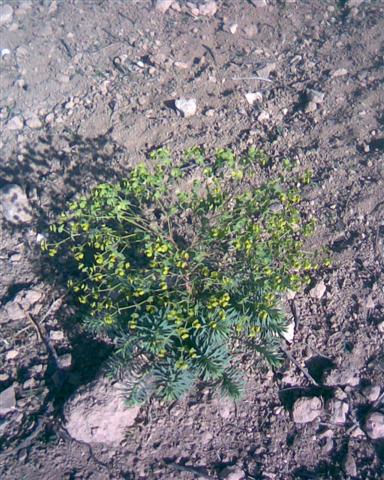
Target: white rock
{"x":339,"y":72}
{"x":6,"y":14}
{"x":339,"y":411}
{"x":4,"y":52}
{"x":96,"y":413}
{"x":307,"y":409}
{"x":56,"y":335}
{"x":208,"y":9}
{"x":318,"y":291}
{"x":263,"y":117}
{"x":374,"y":425}
{"x":380,"y":327}
{"x":253,"y":97}
{"x":15,"y":123}
{"x":187,"y":107}
{"x":34,"y":122}
{"x":371,"y":392}
{"x":232,"y":473}
{"x":259,"y":3}
{"x":163,"y":5}
{"x":16,"y":207}
{"x":32,"y":297}
{"x":289,"y":334}
{"x":7,"y":400}
{"x":12,"y":354}
{"x":233,"y":28}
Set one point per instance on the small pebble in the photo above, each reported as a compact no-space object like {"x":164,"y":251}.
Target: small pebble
{"x":315,"y":96}
{"x":163,"y":5}
{"x":12,"y":354}
{"x":34,"y":123}
{"x":253,"y":97}
{"x":208,"y":9}
{"x":318,"y":291}
{"x":371,"y":392}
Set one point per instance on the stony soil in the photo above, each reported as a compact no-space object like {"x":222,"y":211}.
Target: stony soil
{"x":87,"y":88}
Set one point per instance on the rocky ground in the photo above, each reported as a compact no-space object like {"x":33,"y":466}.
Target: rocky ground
{"x":90,"y":86}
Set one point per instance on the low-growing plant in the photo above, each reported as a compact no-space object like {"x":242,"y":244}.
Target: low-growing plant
{"x":184,"y":266}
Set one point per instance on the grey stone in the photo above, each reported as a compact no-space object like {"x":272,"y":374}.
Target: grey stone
{"x":16,"y":207}
{"x":315,"y":96}
{"x":208,"y":9}
{"x":318,"y":291}
{"x":6,"y":14}
{"x":15,"y":123}
{"x":34,"y":123}
{"x":374,"y":425}
{"x":371,"y":392}
{"x":96,"y":413}
{"x":7,"y":400}
{"x":339,"y":411}
{"x":345,"y":376}
{"x":232,"y":473}
{"x":65,"y":360}
{"x":289,"y":333}
{"x":12,"y":354}
{"x":259,"y":3}
{"x":265,"y":71}
{"x":350,"y":465}
{"x":56,"y":335}
{"x":307,"y":409}
{"x":187,"y":107}
{"x":163,"y":5}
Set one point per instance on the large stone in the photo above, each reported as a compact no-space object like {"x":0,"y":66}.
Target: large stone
{"x":7,"y":400}
{"x":307,"y":409}
{"x":374,"y":425}
{"x":96,"y":413}
{"x":339,"y":411}
{"x":16,"y":207}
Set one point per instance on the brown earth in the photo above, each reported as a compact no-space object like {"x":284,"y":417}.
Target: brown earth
{"x":94,"y":84}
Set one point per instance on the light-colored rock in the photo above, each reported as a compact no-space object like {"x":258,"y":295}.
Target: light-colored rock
{"x":371,"y":392}
{"x":7,"y":400}
{"x":14,"y":311}
{"x":339,"y":411}
{"x":233,"y":28}
{"x":289,"y":333}
{"x":4,"y":52}
{"x":16,"y":207}
{"x":259,"y":3}
{"x":350,"y":464}
{"x":344,"y":376}
{"x":187,"y":107}
{"x":15,"y":123}
{"x":232,"y":473}
{"x":65,"y":361}
{"x":11,"y":354}
{"x":253,"y":97}
{"x":6,"y":14}
{"x":163,"y":5}
{"x":374,"y":425}
{"x":265,"y":71}
{"x":354,"y":3}
{"x":263,"y":116}
{"x":315,"y":96}
{"x":96,"y":413}
{"x":318,"y":291}
{"x":208,"y":9}
{"x":4,"y":377}
{"x":34,"y":122}
{"x":307,"y":409}
{"x":32,"y":296}
{"x":340,"y":72}
{"x":56,"y":335}
{"x":380,"y":327}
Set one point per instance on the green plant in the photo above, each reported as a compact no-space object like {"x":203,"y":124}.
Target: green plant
{"x":184,"y":266}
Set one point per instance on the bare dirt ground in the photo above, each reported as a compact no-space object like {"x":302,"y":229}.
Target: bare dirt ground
{"x":87,"y":88}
